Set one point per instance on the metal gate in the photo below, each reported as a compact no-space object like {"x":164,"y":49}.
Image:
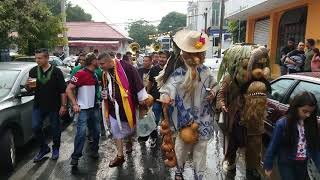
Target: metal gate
{"x":261,"y":32}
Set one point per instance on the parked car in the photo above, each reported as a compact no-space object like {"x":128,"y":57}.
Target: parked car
{"x":213,"y":63}
{"x":15,"y":111}
{"x":284,"y":89}
{"x":53,"y":60}
{"x":70,"y":61}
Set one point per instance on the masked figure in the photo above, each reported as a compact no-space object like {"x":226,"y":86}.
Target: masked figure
{"x":188,"y":86}
{"x":243,"y":67}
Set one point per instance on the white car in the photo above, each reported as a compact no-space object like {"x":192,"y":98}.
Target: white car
{"x":213,"y":63}
{"x":70,"y":61}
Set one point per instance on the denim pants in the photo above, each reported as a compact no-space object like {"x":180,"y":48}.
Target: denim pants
{"x":38,"y":116}
{"x":293,"y":170}
{"x":157,"y":110}
{"x":90,"y":118}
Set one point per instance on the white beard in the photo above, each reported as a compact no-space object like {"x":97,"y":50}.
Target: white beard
{"x":190,"y":84}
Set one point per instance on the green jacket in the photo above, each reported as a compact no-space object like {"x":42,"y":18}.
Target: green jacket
{"x":307,"y":63}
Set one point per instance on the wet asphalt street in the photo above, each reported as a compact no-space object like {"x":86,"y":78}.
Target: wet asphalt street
{"x":144,"y":163}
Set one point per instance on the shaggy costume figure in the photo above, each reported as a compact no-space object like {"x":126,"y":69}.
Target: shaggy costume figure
{"x":243,"y":97}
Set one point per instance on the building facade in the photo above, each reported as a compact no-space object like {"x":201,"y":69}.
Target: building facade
{"x":87,"y":36}
{"x":209,"y":23}
{"x":273,"y":22}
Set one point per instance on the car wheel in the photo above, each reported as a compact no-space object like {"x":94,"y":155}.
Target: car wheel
{"x":7,"y":151}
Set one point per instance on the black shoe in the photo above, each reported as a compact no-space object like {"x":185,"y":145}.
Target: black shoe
{"x":143,"y":139}
{"x":94,"y":154}
{"x":74,"y":162}
{"x":90,"y":139}
{"x":253,"y":174}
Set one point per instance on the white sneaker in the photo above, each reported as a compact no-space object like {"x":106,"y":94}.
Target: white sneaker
{"x":153,"y":142}
{"x":226,"y":166}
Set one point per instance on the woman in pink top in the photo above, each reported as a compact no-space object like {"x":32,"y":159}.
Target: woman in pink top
{"x":315,"y":63}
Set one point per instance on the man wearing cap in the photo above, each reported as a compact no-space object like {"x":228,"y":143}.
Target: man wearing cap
{"x":190,"y":88}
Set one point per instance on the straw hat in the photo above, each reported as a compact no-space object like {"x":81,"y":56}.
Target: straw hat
{"x":191,"y":41}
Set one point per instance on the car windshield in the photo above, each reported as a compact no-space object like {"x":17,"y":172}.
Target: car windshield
{"x":26,"y":59}
{"x":8,"y":77}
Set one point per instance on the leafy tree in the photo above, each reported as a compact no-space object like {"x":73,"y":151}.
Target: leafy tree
{"x":74,"y":13}
{"x":233,"y":28}
{"x":172,"y":22}
{"x":140,"y":31}
{"x":33,"y":23}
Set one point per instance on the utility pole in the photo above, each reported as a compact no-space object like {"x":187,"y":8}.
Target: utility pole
{"x":239,"y":32}
{"x":221,"y":26}
{"x":205,"y":19}
{"x":64,"y":21}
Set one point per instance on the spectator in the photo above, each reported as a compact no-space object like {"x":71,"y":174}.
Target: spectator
{"x":86,"y":104}
{"x":118,"y":56}
{"x":295,"y":59}
{"x":50,"y":100}
{"x":155,"y":58}
{"x":310,"y":44}
{"x":112,"y":55}
{"x":81,"y":60}
{"x":96,"y":52}
{"x":145,"y":70}
{"x":154,"y":91}
{"x":284,"y":51}
{"x":315,"y":63}
{"x":295,"y":139}
{"x":139,"y":60}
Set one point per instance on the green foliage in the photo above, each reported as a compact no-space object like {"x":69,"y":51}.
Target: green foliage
{"x":172,"y":22}
{"x":74,"y":13}
{"x":34,"y":24}
{"x":140,"y":31}
{"x":233,"y":27}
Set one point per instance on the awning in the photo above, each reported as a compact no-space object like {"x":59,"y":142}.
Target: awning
{"x":242,"y":9}
{"x":83,"y":43}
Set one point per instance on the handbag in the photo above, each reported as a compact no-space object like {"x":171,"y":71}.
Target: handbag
{"x":146,"y":124}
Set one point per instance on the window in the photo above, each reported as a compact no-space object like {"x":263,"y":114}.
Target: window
{"x":307,"y":86}
{"x":279,"y":88}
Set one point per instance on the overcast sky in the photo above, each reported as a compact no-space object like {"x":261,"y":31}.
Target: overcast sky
{"x":120,"y":12}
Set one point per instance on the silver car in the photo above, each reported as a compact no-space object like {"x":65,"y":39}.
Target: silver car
{"x":15,"y":111}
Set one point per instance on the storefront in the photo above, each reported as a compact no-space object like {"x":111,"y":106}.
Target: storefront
{"x":272,"y":22}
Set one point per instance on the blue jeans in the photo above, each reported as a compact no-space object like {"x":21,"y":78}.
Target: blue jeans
{"x":90,"y":118}
{"x":157,"y":110}
{"x":38,"y":116}
{"x":293,"y":170}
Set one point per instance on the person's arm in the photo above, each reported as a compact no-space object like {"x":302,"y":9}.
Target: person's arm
{"x":62,"y":91}
{"x":75,"y":82}
{"x":221,"y":99}
{"x":292,"y":53}
{"x":274,"y":145}
{"x":151,"y":80}
{"x":290,"y":61}
{"x":70,"y":89}
{"x":32,"y":74}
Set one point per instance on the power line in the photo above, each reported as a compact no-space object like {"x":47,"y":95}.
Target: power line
{"x":99,"y":11}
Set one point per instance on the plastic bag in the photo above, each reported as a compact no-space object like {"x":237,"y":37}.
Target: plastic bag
{"x":147,"y":124}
